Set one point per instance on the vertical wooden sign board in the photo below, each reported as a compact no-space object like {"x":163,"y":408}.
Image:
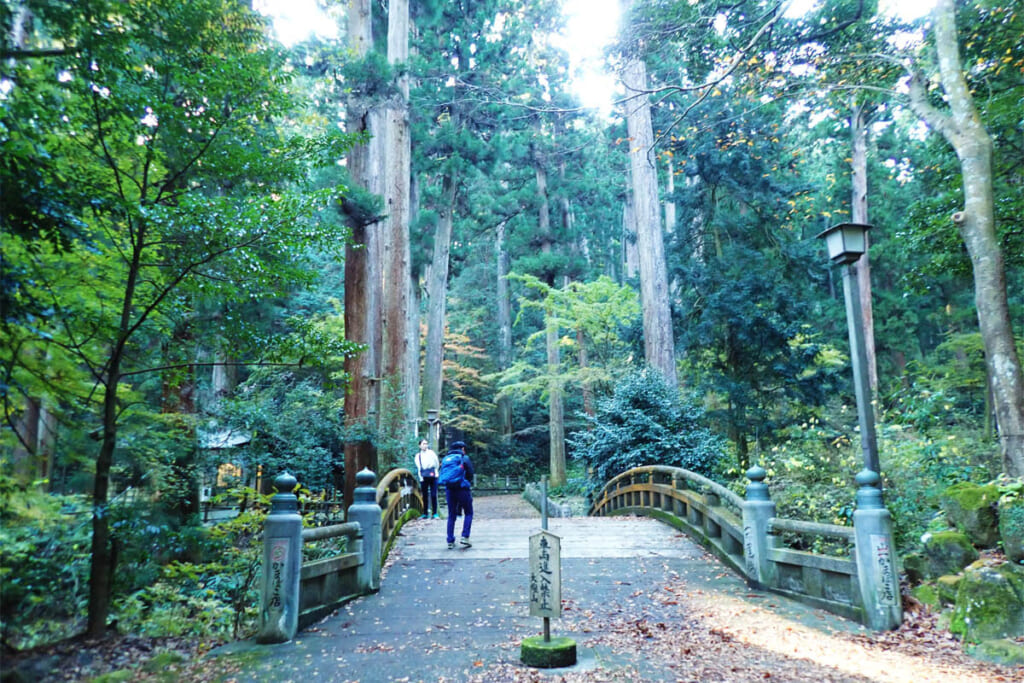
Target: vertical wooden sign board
{"x":545,"y":575}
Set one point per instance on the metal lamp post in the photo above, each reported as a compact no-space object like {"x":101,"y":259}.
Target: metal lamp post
{"x":846,"y":242}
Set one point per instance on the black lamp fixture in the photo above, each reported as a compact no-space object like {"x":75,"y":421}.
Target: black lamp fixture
{"x":846,"y":241}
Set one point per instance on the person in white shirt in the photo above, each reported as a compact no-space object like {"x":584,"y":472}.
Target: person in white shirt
{"x":427,"y":465}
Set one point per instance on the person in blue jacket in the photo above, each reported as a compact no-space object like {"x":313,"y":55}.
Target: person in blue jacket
{"x":456,"y":474}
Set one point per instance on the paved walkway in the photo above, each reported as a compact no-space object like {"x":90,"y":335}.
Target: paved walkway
{"x":460,"y":615}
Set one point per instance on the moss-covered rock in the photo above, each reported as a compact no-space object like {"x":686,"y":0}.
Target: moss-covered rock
{"x":946,"y":552}
{"x":927,"y":594}
{"x":915,"y":567}
{"x":947,"y":587}
{"x":989,"y":603}
{"x":971,"y":509}
{"x":1011,"y":527}
{"x":1002,"y":651}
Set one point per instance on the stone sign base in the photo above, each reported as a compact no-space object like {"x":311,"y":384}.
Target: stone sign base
{"x":555,"y":653}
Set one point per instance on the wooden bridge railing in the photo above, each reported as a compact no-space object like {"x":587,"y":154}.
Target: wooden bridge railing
{"x":398,"y":495}
{"x":857,"y":580}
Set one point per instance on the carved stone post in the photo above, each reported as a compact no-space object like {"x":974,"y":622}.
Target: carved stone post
{"x":758,"y":508}
{"x":282,"y":564}
{"x":365,"y":512}
{"x":876,"y":555}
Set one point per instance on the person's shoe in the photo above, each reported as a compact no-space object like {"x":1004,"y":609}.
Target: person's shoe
{"x":425,"y":517}
{"x":436,"y":516}
{"x":464,"y":542}
{"x":451,"y":545}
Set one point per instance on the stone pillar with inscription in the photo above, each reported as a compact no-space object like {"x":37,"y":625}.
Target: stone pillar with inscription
{"x":758,"y":508}
{"x":282,"y":565}
{"x":876,"y":556}
{"x":365,"y":512}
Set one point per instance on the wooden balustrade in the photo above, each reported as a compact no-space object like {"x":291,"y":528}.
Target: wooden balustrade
{"x":745,"y":534}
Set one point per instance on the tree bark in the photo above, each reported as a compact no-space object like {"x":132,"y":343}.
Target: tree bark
{"x":859,"y":119}
{"x":362,"y":275}
{"x":556,"y":426}
{"x":962,"y":128}
{"x":630,"y":258}
{"x":414,"y":323}
{"x":659,"y":345}
{"x":101,"y":568}
{"x":437,"y":292}
{"x":670,"y":204}
{"x":504,"y":312}
{"x":396,"y":265}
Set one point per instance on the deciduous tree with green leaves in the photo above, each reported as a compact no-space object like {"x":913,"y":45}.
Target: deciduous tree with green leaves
{"x":161,"y":116}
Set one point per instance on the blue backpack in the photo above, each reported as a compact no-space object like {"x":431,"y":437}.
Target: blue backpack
{"x":453,"y":472}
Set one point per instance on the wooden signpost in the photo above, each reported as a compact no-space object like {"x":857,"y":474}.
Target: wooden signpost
{"x":546,"y":597}
{"x":545,"y":578}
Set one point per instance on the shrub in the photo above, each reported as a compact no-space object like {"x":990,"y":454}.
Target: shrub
{"x":645,"y":423}
{"x":209,"y":591}
{"x":918,"y":468}
{"x":44,"y":566}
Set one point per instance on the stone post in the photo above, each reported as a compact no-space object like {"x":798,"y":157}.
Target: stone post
{"x":282,"y":565}
{"x":758,"y":508}
{"x":365,"y":511}
{"x":876,"y":556}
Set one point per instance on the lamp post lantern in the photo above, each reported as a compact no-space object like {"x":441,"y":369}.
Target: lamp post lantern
{"x":432,"y":427}
{"x":846,"y":242}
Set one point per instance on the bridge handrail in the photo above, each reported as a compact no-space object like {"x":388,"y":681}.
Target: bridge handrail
{"x":320,"y":533}
{"x":722,"y":492}
{"x":398,"y":495}
{"x":796,"y":526}
{"x":860,"y":585}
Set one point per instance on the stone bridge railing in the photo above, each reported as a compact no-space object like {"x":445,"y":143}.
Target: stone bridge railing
{"x":857,"y":580}
{"x":296,"y":592}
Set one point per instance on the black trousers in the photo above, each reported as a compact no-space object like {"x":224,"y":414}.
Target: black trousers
{"x":428,"y":489}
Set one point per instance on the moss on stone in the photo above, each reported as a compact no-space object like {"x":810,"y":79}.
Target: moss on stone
{"x":988,"y":605}
{"x":947,"y":552}
{"x":927,"y":594}
{"x":947,"y":587}
{"x":915,"y":566}
{"x":555,"y":653}
{"x":972,"y":496}
{"x":1011,"y":527}
{"x":1002,"y":651}
{"x":971,"y":509}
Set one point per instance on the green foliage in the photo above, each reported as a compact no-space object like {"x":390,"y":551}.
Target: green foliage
{"x":949,"y":386}
{"x":595,"y":314}
{"x":370,"y":76}
{"x":361,"y":207}
{"x":1010,"y":489}
{"x":43,"y":564}
{"x":810,"y":472}
{"x":918,"y":467}
{"x":201,"y":581}
{"x":645,"y":423}
{"x":577,"y":483}
{"x":751,"y":347}
{"x":293,"y":419}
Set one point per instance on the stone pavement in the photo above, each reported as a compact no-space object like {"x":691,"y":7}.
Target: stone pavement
{"x":448,"y":615}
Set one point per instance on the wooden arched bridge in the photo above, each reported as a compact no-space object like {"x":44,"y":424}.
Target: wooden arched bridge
{"x":855,"y":578}
{"x":670,"y":577}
